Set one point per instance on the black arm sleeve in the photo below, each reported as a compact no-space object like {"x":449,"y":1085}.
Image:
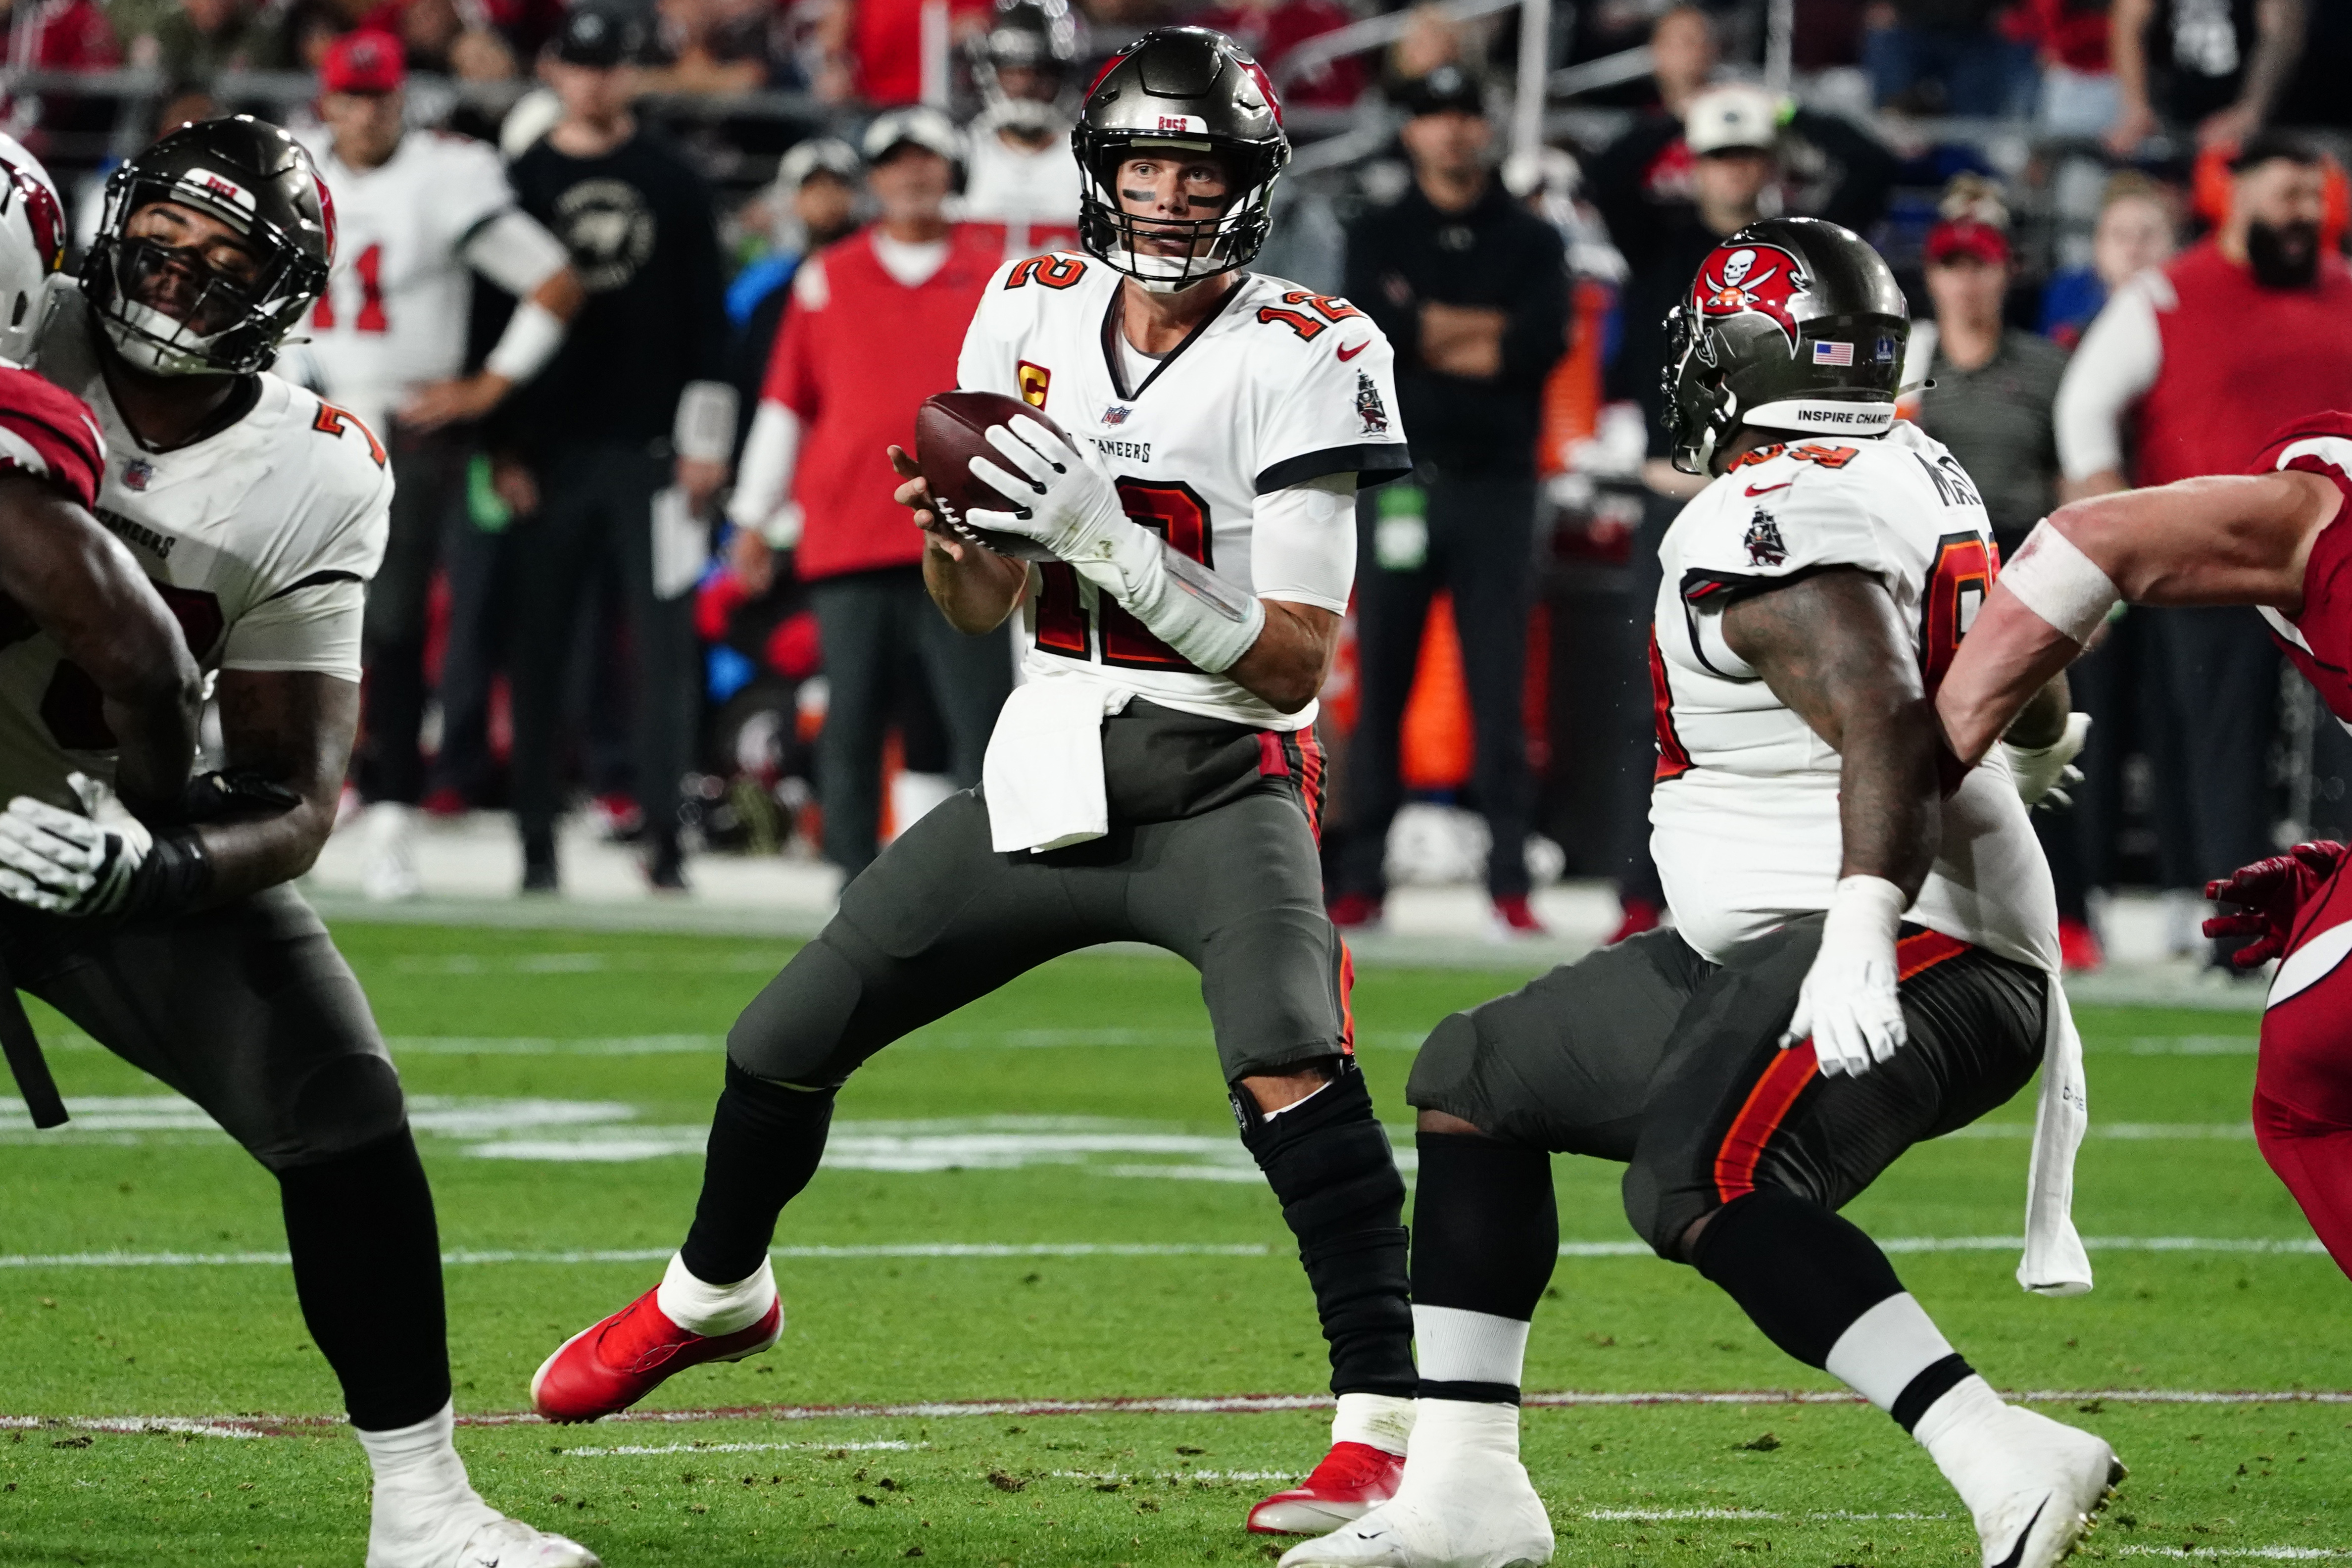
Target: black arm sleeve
{"x":1868,"y":169}
{"x":1536,"y":334}
{"x":1368,"y":270}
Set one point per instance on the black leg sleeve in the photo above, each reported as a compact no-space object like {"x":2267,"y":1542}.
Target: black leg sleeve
{"x":1802,"y":1273}
{"x":1329,"y":1165}
{"x":765,"y":1142}
{"x":367,"y":1268}
{"x":1485,"y":1234}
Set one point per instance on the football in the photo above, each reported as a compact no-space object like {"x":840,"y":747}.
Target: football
{"x":951,"y":430}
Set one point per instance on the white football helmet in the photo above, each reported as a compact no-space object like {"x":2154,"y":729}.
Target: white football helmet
{"x":32,"y":248}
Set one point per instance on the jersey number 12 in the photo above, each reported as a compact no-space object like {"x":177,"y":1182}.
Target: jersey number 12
{"x":1170,"y":510}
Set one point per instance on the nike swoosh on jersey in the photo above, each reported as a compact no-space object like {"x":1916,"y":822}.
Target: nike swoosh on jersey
{"x":2017,"y":1553}
{"x":1765,"y":490}
{"x":1347,"y":355}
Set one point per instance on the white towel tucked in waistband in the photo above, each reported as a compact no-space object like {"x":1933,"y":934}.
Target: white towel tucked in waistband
{"x":1042,"y":777}
{"x":2054,"y":1262}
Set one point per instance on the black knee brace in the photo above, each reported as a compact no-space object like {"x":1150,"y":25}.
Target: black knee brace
{"x":1330,"y":1167}
{"x":765,"y":1142}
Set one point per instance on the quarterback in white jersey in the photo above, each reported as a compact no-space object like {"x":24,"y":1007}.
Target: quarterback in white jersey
{"x":1241,"y":446}
{"x":1866,"y":955}
{"x":1157,"y":779}
{"x":175,"y":939}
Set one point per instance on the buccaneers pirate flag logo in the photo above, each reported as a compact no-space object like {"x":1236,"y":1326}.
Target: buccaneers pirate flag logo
{"x":1757,"y":277}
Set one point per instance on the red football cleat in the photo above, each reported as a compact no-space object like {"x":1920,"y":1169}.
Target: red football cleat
{"x":611,"y":1365}
{"x":2078,"y":947}
{"x":1637,"y":915}
{"x":1353,"y":1480}
{"x":445,"y":800}
{"x":1513,"y":916}
{"x":1351,"y":911}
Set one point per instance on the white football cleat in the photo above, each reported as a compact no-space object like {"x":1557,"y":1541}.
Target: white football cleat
{"x":1465,"y":1501}
{"x":511,"y":1543}
{"x":2033,"y":1484}
{"x":388,"y":874}
{"x":467,"y":1533}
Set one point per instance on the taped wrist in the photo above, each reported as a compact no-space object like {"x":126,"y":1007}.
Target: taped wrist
{"x":2050,"y":577}
{"x":1330,"y":1167}
{"x":173,"y":878}
{"x":532,"y":335}
{"x":1192,"y":609}
{"x":1864,"y":909}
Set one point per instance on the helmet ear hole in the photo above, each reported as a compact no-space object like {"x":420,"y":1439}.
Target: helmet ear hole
{"x":24,"y":304}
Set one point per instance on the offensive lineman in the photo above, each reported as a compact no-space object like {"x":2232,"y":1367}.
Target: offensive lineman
{"x":1857,"y":965}
{"x":1018,"y":169}
{"x":61,"y":574}
{"x":2278,"y":537}
{"x":1156,"y":779}
{"x":258,"y":512}
{"x":416,"y":212}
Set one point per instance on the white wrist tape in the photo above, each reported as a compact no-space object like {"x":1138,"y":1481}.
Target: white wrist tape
{"x":704,"y":430}
{"x":1864,"y":907}
{"x":533,"y":334}
{"x":1192,"y":609}
{"x":2050,"y":577}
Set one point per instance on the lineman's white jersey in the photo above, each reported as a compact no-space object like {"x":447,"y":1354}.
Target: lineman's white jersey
{"x":1745,"y":813}
{"x":1279,"y":388}
{"x":394,"y":311}
{"x":262,"y":538}
{"x":1034,"y":195}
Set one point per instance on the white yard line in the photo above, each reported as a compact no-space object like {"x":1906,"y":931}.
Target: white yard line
{"x":637,"y":1450}
{"x":2274,"y":1245}
{"x":2267,"y":1553}
{"x":1171,"y":1404}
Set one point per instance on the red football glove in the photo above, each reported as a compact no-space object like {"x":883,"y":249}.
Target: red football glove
{"x":2269,"y":895}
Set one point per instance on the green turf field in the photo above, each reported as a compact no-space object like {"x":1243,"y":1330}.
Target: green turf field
{"x":1041,"y":1199}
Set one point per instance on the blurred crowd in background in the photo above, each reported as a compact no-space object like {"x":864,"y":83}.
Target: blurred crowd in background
{"x":2021,"y":162}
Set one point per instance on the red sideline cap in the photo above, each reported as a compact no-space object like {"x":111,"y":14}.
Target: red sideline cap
{"x":1967,"y":236}
{"x":365,"y":61}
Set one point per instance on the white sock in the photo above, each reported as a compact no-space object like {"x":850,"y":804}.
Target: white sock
{"x":1949,"y":1429}
{"x":1383,"y":1421}
{"x":1452,"y":1345}
{"x":1881,"y":1351}
{"x":1446,"y":1428}
{"x":424,"y":1510}
{"x":713,"y":1309}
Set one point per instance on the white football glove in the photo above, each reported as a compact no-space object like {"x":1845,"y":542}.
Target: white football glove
{"x":1848,"y":1003}
{"x":1065,"y":500}
{"x":64,"y":863}
{"x":2043,"y":773}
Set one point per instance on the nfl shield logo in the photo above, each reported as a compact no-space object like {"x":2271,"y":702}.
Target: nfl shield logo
{"x":137,"y":472}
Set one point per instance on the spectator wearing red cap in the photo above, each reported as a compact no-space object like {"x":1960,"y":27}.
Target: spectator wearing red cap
{"x":419,"y":212}
{"x":2203,"y":361}
{"x":1990,"y":401}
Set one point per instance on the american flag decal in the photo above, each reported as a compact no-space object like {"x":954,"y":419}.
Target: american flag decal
{"x":1834,"y":353}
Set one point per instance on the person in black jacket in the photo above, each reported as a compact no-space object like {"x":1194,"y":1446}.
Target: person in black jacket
{"x":1671,"y":189}
{"x":635,"y":402}
{"x":1472,"y":289}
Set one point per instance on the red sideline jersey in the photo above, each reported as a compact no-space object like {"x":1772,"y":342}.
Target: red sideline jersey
{"x":2319,"y":638}
{"x":50,"y":433}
